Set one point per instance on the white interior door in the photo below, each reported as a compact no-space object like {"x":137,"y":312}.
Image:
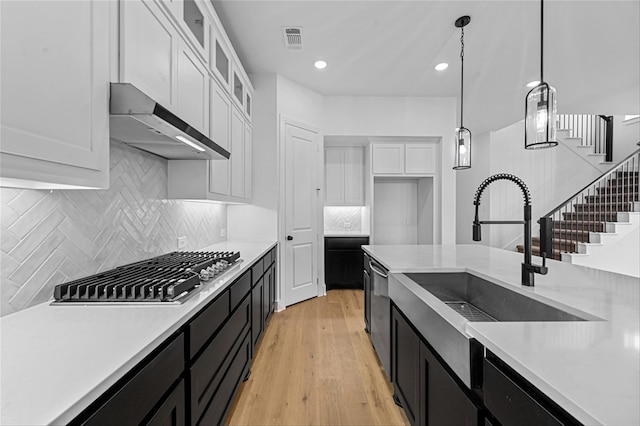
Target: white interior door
{"x":301,"y":203}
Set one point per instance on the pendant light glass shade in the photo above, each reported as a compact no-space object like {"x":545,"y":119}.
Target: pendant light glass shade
{"x":462,"y":143}
{"x":541,"y":117}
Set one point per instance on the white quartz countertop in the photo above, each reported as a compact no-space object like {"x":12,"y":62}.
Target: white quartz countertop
{"x":590,"y":368}
{"x":56,"y":360}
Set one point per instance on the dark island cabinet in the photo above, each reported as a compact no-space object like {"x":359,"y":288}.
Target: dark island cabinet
{"x":426,"y":390}
{"x":442,"y":400}
{"x":193,"y":377}
{"x":405,"y":365}
{"x":342,"y":259}
{"x":512,"y":400}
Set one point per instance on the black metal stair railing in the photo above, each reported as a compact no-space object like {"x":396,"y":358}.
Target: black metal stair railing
{"x":590,"y":209}
{"x":595,"y":130}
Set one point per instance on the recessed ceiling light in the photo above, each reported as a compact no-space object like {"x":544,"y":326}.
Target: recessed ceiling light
{"x":442,"y":66}
{"x":320,"y":65}
{"x":533,"y":83}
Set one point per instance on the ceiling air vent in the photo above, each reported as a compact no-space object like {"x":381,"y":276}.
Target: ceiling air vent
{"x":292,"y":37}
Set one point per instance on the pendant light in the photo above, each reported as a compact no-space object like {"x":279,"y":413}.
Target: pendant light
{"x":462,"y":141}
{"x":541,"y":113}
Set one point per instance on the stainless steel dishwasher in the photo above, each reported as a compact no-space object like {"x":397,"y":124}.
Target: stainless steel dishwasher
{"x":381,"y":315}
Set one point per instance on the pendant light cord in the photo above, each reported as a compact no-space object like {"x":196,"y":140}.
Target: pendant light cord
{"x":541,"y":39}
{"x":461,"y":76}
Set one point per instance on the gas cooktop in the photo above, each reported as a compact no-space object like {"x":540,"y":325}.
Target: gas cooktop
{"x":169,"y":278}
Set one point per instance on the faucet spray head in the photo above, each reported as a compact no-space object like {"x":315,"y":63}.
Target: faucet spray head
{"x":477,"y":236}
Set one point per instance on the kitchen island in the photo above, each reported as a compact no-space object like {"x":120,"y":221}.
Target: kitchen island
{"x":591,"y":369}
{"x":57,"y":360}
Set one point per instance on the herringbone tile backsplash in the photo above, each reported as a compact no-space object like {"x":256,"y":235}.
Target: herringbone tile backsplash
{"x":51,"y":237}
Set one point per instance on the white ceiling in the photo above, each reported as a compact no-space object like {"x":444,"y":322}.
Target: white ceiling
{"x":389,"y":48}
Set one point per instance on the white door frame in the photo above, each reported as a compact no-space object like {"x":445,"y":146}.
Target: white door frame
{"x":282,"y":237}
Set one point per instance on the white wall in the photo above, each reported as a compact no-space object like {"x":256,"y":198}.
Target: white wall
{"x":297,"y":103}
{"x":626,"y":134}
{"x":393,"y":116}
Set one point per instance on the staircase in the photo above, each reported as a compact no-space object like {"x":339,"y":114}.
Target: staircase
{"x":586,"y":135}
{"x":599,"y":214}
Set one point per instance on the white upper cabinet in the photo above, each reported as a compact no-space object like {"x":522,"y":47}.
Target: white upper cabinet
{"x":248,"y":142}
{"x":193,"y":89}
{"x":237,"y":154}
{"x":344,"y":176}
{"x":238,"y":88}
{"x":404,"y":159}
{"x":176,"y":52}
{"x":149,"y":45}
{"x":196,"y":26}
{"x":220,"y":132}
{"x":220,"y":62}
{"x":388,"y":159}
{"x":55,"y":88}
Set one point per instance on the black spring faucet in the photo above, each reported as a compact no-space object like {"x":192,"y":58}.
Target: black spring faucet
{"x":528,"y":269}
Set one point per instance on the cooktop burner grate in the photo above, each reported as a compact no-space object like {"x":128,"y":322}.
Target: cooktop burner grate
{"x":166,"y":278}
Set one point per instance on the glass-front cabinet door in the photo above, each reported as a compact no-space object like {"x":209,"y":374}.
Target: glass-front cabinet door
{"x":238,"y":88}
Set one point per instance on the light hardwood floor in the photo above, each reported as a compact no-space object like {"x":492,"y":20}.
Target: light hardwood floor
{"x":316,"y":366}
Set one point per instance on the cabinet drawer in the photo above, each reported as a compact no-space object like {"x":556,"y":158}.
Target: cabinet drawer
{"x":131,"y":403}
{"x":510,"y":403}
{"x":257,"y":270}
{"x":207,"y":322}
{"x":342,"y":243}
{"x":223,"y":398}
{"x":240,"y":289}
{"x":211,"y":367}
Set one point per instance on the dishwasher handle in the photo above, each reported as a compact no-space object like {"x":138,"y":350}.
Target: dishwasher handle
{"x":378,"y":270}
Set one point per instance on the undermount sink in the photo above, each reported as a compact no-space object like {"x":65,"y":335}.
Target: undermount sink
{"x":425,"y":299}
{"x":480,"y":300}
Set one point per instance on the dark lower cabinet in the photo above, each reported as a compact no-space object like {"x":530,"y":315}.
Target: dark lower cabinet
{"x":172,"y":411}
{"x":210,"y":368}
{"x":511,"y":400}
{"x":442,"y":400}
{"x":222,"y":399}
{"x":193,"y":377}
{"x":342,"y":259}
{"x":257,"y":317}
{"x":263,"y":296}
{"x":136,"y":398}
{"x":405,"y":366}
{"x":428,"y":393}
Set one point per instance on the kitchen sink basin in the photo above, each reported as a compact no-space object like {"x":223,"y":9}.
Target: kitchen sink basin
{"x":440,"y":305}
{"x":480,"y":300}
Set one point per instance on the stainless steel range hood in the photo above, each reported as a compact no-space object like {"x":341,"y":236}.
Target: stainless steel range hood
{"x":138,"y":120}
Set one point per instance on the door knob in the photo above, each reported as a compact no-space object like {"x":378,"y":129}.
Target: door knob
{"x":289,"y":238}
